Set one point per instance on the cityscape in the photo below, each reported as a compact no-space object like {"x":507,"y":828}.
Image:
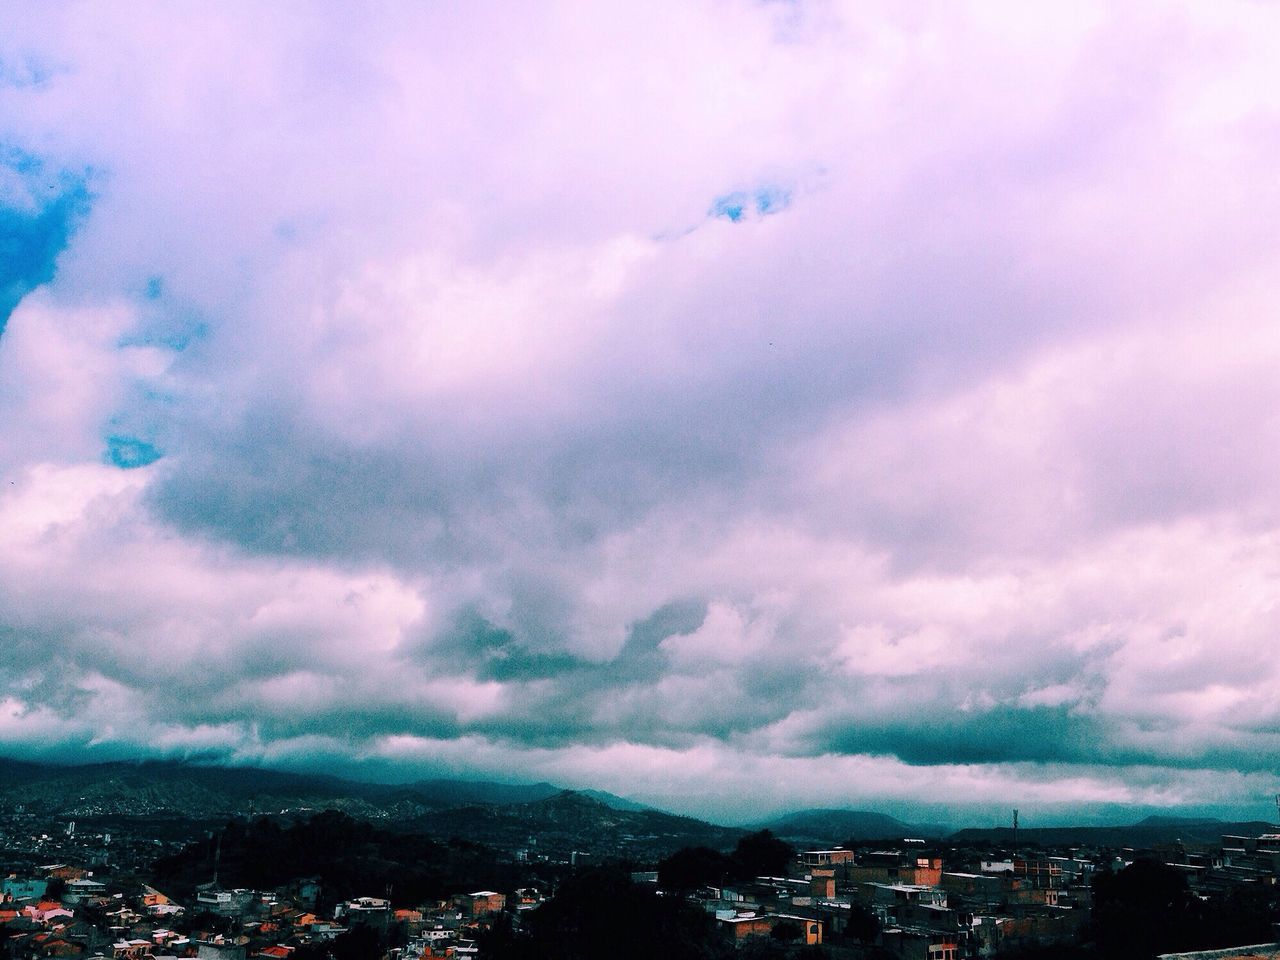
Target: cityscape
{"x":443,"y":870}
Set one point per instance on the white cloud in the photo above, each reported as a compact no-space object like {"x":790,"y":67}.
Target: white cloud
{"x":470,"y":411}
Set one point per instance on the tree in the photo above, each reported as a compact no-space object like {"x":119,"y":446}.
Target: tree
{"x":1143,"y":910}
{"x":692,"y":867}
{"x":600,"y":913}
{"x":310,"y":951}
{"x":358,"y":943}
{"x":863,"y":925}
{"x":761,"y":854}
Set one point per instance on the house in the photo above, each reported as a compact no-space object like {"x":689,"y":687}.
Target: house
{"x":46,"y":910}
{"x":746,"y":925}
{"x":12,"y":888}
{"x":131,"y":949}
{"x":894,"y":867}
{"x":742,"y":926}
{"x":61,"y":871}
{"x":826,"y":858}
{"x":982,"y":888}
{"x":482,"y":903}
{"x":373,"y":912}
{"x":82,"y":890}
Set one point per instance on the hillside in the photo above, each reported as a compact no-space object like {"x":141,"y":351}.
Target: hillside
{"x":197,"y":792}
{"x":572,"y":821}
{"x":539,"y":817}
{"x":806,"y":827}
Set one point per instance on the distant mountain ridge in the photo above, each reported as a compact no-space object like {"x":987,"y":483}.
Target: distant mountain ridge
{"x":573,"y":821}
{"x":488,"y":812}
{"x":200,"y":792}
{"x":828,"y":826}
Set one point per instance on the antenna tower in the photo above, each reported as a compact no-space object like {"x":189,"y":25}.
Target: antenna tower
{"x":217,"y":861}
{"x":1015,"y":827}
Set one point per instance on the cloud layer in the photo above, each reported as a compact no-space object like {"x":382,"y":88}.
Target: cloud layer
{"x":733,"y":405}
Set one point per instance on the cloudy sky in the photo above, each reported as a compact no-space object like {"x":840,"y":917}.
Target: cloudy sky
{"x":735,"y":405}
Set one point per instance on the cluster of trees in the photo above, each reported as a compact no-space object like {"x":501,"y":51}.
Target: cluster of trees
{"x":599,"y":912}
{"x":759,"y":854}
{"x":1147,"y":909}
{"x":350,"y":857}
{"x":358,"y":943}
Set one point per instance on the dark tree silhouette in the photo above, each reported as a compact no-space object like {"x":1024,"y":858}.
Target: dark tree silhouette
{"x":761,"y":854}
{"x":351,"y":858}
{"x":599,"y":913}
{"x":1147,"y":909}
{"x":692,"y":867}
{"x":864,"y":925}
{"x":358,"y":943}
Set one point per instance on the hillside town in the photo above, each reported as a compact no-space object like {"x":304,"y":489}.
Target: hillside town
{"x":907,"y":899}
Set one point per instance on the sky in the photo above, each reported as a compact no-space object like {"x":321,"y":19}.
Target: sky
{"x":738,"y":406}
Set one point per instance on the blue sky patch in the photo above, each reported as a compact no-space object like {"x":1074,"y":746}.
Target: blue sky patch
{"x":743,"y":204}
{"x":128,"y":453}
{"x":30,"y":240}
{"x":731,"y":206}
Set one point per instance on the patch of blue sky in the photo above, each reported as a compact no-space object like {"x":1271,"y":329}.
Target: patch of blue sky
{"x":21,"y":162}
{"x":770,"y":200}
{"x":740,"y":205}
{"x":35,"y":228}
{"x":732,"y":206}
{"x":130,"y":453}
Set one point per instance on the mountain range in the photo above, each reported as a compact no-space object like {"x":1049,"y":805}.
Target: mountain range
{"x":808,"y":827}
{"x":207,"y":792}
{"x":509,"y":816}
{"x":506,"y":814}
